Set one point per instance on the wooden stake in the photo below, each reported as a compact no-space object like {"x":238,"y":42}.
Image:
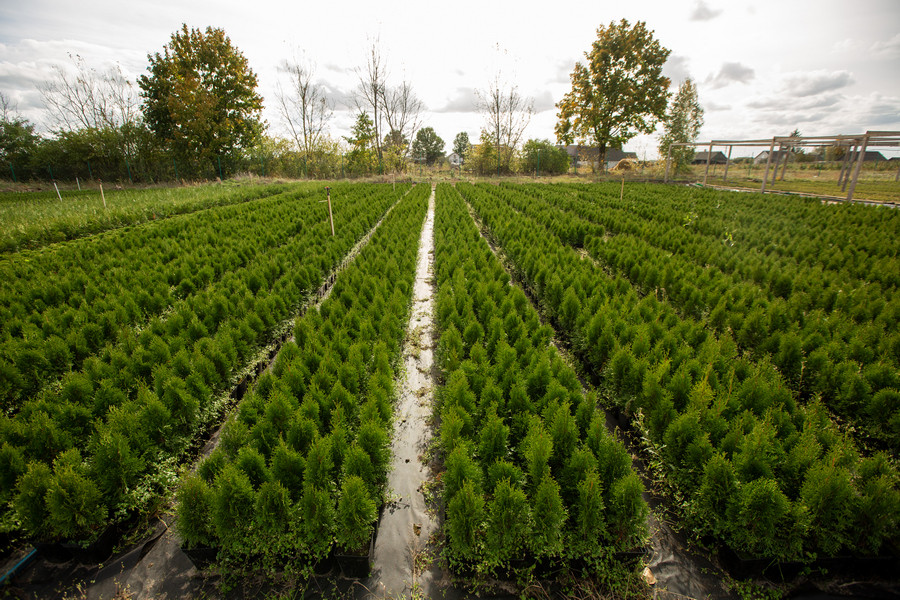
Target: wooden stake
{"x":78,"y":183}
{"x":330,"y":218}
{"x":727,"y":160}
{"x":768,"y":162}
{"x":859,"y":161}
{"x":708,"y":159}
{"x":57,"y":191}
{"x":622,"y":193}
{"x":102,"y":196}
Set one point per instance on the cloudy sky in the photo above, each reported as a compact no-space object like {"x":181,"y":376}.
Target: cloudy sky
{"x":763,"y":67}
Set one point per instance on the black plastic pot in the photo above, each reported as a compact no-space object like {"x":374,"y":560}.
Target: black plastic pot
{"x":201,"y":556}
{"x":356,"y":565}
{"x":742,"y":566}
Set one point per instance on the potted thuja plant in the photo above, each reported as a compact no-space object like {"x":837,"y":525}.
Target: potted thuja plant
{"x":355,"y":527}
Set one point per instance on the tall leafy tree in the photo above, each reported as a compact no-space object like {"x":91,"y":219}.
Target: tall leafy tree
{"x":682,"y":124}
{"x":362,"y":155}
{"x":542,"y":156}
{"x":200,"y":97}
{"x":461,"y":145}
{"x":18,"y":141}
{"x":428,"y":146}
{"x":618,"y":92}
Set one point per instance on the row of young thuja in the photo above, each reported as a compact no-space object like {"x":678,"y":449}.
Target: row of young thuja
{"x":856,"y":244}
{"x":106,"y":444}
{"x":302,"y":465}
{"x":750,"y":466}
{"x":64,"y":303}
{"x":30,"y":220}
{"x":848,"y":358}
{"x":531,"y":471}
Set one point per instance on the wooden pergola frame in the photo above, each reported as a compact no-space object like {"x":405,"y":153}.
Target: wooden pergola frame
{"x":851,"y":165}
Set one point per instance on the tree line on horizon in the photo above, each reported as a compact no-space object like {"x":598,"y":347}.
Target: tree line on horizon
{"x":196,"y":114}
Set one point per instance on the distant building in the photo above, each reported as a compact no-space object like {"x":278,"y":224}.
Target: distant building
{"x":717,"y":158}
{"x":587,"y":155}
{"x":763,"y":157}
{"x":454,"y":159}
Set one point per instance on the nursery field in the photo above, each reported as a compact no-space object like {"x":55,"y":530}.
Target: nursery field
{"x":747,"y":346}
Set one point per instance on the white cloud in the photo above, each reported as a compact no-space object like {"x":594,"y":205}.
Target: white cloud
{"x":676,"y":69}
{"x":887,"y":49}
{"x":816,"y":82}
{"x":731,"y":72}
{"x":702,"y":12}
{"x":463,"y":100}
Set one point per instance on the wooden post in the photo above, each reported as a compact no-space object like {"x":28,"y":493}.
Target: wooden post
{"x":846,"y":161}
{"x":787,"y":155}
{"x":850,"y":167}
{"x":330,"y":217}
{"x":102,"y":196}
{"x":859,"y":162}
{"x":78,"y":183}
{"x":57,"y":191}
{"x":727,"y":160}
{"x":708,"y":159}
{"x":775,"y":170}
{"x":768,"y":162}
{"x":622,"y":193}
{"x":668,"y":160}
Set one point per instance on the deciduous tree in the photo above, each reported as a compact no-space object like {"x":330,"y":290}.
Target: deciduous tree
{"x":682,"y":124}
{"x":428,"y":146}
{"x":461,"y":145}
{"x":618,"y":92}
{"x":200,"y":97}
{"x":305,"y":107}
{"x":507,"y":114}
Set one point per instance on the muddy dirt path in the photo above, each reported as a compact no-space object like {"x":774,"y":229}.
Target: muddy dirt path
{"x":400,"y":567}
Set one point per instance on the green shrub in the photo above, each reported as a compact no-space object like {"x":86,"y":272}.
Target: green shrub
{"x":319,"y":463}
{"x":460,"y":468}
{"x":358,"y":463}
{"x":509,"y":524}
{"x":233,"y":501}
{"x":589,"y":523}
{"x":12,"y":466}
{"x":212,"y":465}
{"x":317,"y":522}
{"x":714,"y":504}
{"x":273,"y":508}
{"x":30,"y":500}
{"x":549,"y":516}
{"x":301,"y":433}
{"x":627,"y":513}
{"x":116,"y":466}
{"x":253,"y":464}
{"x":194,"y":511}
{"x":828,"y":495}
{"x":537,"y":449}
{"x":465,"y":517}
{"x":500,"y":470}
{"x":877,"y":507}
{"x":375,"y":440}
{"x":287,"y":468}
{"x":760,"y":519}
{"x":356,"y":514}
{"x":74,"y":503}
{"x":494,"y":434}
